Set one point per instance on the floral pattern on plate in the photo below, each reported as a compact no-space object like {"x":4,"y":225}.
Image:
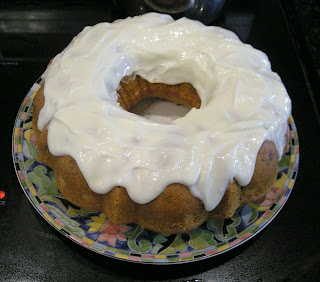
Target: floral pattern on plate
{"x":130,"y":242}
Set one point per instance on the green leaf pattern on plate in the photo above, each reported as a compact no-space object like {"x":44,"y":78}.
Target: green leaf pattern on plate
{"x":46,"y":183}
{"x":135,"y":243}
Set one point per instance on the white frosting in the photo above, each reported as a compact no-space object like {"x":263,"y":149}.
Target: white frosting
{"x":243,"y":103}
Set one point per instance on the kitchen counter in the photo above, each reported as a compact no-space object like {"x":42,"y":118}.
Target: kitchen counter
{"x":288,"y":249}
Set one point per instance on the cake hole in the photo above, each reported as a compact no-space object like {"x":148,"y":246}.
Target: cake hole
{"x":159,"y":110}
{"x":156,"y":101}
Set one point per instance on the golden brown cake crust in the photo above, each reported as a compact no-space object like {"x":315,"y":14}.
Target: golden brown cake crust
{"x":176,"y":210}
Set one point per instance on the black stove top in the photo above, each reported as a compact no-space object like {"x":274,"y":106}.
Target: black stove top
{"x":32,"y":32}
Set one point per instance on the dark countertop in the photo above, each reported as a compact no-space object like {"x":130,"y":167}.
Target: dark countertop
{"x":288,"y":249}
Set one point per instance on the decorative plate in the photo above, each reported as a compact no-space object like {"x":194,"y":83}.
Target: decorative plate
{"x":130,"y":242}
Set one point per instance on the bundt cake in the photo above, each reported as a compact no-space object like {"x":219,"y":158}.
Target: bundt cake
{"x":166,"y":177}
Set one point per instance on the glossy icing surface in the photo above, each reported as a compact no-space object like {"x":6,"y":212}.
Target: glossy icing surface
{"x":243,"y":103}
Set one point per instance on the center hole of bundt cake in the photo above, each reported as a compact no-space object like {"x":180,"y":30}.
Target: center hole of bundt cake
{"x":159,"y":110}
{"x":157,"y":101}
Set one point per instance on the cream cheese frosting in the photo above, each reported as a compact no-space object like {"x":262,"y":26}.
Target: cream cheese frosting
{"x":243,"y":103}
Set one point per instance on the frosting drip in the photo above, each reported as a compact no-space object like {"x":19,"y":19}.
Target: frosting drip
{"x":243,"y":103}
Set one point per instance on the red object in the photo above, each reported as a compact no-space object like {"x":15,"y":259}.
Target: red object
{"x":2,"y":194}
